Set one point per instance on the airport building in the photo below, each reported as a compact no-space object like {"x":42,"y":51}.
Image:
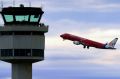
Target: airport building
{"x":22,"y":39}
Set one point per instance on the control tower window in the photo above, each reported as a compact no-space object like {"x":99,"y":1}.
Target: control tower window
{"x":21,"y":18}
{"x":8,"y":18}
{"x":6,"y":52}
{"x":34,"y":18}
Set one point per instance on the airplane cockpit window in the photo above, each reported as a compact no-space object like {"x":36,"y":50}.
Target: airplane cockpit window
{"x":8,"y":18}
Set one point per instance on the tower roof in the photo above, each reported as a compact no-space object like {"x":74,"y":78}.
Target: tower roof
{"x":21,"y":15}
{"x":22,"y":10}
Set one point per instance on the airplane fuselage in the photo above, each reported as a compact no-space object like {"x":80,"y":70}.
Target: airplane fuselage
{"x":85,"y":42}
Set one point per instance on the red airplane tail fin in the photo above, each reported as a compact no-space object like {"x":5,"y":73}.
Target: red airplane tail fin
{"x":113,"y":42}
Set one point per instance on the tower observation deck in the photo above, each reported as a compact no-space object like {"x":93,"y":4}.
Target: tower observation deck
{"x":22,"y":39}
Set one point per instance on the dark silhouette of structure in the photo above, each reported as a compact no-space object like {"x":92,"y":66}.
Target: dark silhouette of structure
{"x":22,"y":39}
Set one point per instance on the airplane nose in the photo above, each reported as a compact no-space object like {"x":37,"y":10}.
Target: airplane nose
{"x":61,"y":35}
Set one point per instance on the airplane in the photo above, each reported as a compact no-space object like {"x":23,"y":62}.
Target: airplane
{"x":88,"y":43}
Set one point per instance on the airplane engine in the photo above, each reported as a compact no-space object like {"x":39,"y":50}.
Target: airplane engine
{"x":76,"y":42}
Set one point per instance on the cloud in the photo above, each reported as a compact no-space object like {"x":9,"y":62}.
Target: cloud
{"x":63,"y":59}
{"x":105,"y":60}
{"x":80,"y":5}
{"x":65,"y":23}
{"x":69,"y":5}
{"x":101,"y":32}
{"x":101,"y":66}
{"x":109,"y":58}
{"x":76,"y":54}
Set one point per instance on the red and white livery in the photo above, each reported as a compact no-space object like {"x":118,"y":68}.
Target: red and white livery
{"x":88,"y":43}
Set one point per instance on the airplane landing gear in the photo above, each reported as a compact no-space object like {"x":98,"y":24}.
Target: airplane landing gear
{"x":84,"y":46}
{"x":88,"y":47}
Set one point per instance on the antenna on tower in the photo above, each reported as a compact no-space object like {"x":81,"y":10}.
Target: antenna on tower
{"x":41,"y":4}
{"x":1,"y":4}
{"x":13,"y":3}
{"x":29,"y":3}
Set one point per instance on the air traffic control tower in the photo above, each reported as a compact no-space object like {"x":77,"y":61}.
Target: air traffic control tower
{"x":22,"y":39}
